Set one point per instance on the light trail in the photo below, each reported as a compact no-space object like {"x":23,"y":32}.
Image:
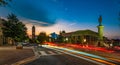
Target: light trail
{"x":90,"y":56}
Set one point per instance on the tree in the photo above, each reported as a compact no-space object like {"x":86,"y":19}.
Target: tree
{"x":63,"y":31}
{"x":14,"y":29}
{"x":42,"y":37}
{"x":60,"y":36}
{"x":4,"y":2}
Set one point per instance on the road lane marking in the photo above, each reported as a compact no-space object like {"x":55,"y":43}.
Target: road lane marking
{"x":118,"y":60}
{"x":84,"y":53}
{"x":51,"y":53}
{"x":99,"y":60}
{"x":43,"y":53}
{"x":47,"y":53}
{"x":58,"y":52}
{"x":96,"y":59}
{"x":80,"y":57}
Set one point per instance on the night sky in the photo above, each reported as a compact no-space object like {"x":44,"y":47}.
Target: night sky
{"x":69,"y":15}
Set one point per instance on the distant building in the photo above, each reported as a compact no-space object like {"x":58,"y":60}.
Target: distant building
{"x":33,"y":32}
{"x":87,"y":36}
{"x":81,"y":36}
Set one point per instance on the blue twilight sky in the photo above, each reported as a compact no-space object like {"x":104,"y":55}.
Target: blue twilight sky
{"x":70,"y":15}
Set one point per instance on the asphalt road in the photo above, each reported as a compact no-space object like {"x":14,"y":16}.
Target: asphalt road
{"x":54,"y":56}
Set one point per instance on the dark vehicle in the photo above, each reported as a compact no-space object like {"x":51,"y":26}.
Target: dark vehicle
{"x":19,"y":45}
{"x":25,"y":44}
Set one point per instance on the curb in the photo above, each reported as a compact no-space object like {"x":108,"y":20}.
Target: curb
{"x":27,"y":60}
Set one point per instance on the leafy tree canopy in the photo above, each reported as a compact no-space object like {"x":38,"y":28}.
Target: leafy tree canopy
{"x":4,"y":2}
{"x":42,"y":37}
{"x":13,"y":28}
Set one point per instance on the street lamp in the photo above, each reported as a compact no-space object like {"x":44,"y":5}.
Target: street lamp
{"x":66,"y":39}
{"x":84,"y":40}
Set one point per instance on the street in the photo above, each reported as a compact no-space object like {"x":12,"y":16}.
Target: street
{"x":60,"y":32}
{"x":10,"y":55}
{"x":54,"y":56}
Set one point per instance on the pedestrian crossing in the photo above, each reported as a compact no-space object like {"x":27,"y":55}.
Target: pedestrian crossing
{"x":48,"y":53}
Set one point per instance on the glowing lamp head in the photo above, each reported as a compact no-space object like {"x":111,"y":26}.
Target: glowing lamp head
{"x":84,"y":40}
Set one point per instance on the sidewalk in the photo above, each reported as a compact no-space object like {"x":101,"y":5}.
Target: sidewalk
{"x":10,"y":55}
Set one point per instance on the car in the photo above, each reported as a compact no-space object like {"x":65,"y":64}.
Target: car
{"x":24,"y":43}
{"x":19,"y":45}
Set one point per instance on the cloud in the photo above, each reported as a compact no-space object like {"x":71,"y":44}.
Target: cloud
{"x":59,"y":26}
{"x":3,"y":18}
{"x":72,"y":24}
{"x":32,"y":10}
{"x":37,"y":23}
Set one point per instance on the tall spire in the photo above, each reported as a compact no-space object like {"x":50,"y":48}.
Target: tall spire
{"x":100,"y":20}
{"x":33,"y":32}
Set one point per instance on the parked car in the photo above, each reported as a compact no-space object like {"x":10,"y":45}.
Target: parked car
{"x":19,"y":45}
{"x":25,"y":43}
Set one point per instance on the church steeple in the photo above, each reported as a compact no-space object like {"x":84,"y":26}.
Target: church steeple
{"x":33,"y":32}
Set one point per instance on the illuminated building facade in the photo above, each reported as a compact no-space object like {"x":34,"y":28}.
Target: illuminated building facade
{"x":81,"y":36}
